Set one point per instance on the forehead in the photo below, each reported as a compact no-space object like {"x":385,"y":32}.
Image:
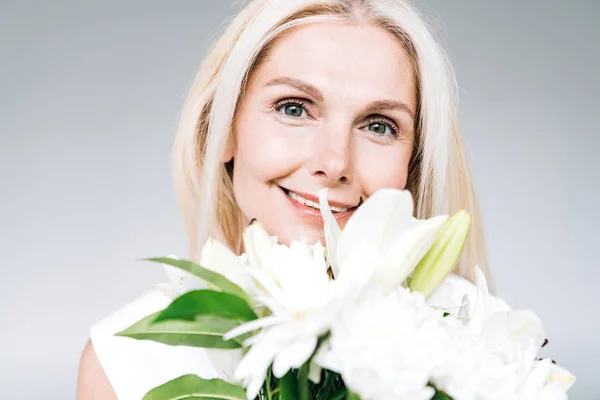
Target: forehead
{"x":341,"y":59}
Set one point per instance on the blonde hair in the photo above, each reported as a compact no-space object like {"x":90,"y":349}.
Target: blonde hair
{"x":439,"y":177}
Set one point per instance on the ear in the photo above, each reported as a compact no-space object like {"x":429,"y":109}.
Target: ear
{"x":228,"y":153}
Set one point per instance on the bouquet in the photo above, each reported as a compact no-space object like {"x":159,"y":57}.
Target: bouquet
{"x":365,"y":317}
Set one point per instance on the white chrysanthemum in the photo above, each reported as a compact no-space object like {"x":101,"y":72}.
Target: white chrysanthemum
{"x":387,"y":346}
{"x":302,"y":301}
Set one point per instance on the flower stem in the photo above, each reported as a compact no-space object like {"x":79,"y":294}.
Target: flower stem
{"x":303,"y":383}
{"x":269,"y":394}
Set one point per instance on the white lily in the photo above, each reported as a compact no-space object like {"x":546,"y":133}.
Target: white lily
{"x":511,"y":341}
{"x":384,"y":222}
{"x":498,"y":330}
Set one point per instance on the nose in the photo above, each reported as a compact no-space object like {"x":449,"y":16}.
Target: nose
{"x":331,"y":160}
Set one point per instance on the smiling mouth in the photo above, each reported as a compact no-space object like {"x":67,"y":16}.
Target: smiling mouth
{"x":315,"y":204}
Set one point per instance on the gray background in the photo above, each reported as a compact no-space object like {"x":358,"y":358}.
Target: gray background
{"x":90,"y":93}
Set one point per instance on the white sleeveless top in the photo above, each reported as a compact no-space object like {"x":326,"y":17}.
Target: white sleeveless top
{"x":134,"y":367}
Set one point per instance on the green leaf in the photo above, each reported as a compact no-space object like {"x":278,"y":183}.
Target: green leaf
{"x":194,"y":387}
{"x":197,"y":303}
{"x":206,"y":331}
{"x":215,"y":279}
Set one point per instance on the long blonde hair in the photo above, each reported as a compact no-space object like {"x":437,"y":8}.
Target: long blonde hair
{"x":439,"y":177}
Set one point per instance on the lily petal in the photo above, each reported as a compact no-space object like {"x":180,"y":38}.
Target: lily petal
{"x":258,"y":244}
{"x":218,"y":258}
{"x":536,"y":379}
{"x":377,"y":222}
{"x":561,"y":377}
{"x":407,"y":250}
{"x":522,"y":328}
{"x":332,"y":231}
{"x":482,"y":309}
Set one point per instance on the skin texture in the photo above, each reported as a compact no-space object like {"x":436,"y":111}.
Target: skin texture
{"x":330,"y":78}
{"x":334,"y":133}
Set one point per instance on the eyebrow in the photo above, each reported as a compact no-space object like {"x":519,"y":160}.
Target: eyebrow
{"x":298,"y":84}
{"x":316,"y":94}
{"x":389,"y":105}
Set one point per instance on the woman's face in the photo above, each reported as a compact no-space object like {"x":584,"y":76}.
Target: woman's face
{"x":331,"y":106}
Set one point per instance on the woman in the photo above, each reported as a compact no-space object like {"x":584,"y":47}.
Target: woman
{"x":296,"y":96}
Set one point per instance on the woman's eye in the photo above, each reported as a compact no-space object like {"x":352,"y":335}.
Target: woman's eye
{"x":382,"y":128}
{"x":292,"y":109}
{"x":378,"y":127}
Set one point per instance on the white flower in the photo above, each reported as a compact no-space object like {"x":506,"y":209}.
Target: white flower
{"x":495,"y":356}
{"x":303,"y":302}
{"x":384,"y":222}
{"x":387,"y":346}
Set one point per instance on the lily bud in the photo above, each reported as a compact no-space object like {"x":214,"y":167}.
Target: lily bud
{"x":443,"y":255}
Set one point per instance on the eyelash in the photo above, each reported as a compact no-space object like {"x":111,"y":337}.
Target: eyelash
{"x":373,"y":119}
{"x":285,"y":102}
{"x":383,"y":120}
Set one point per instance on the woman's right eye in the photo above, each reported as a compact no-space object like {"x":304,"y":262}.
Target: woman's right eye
{"x":291,"y":108}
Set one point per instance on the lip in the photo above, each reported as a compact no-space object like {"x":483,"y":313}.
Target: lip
{"x":315,"y":199}
{"x":313,"y":215}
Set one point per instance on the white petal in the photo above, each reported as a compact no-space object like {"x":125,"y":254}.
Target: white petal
{"x":482,"y":308}
{"x":294,"y":355}
{"x":519,"y":328}
{"x":332,"y":231}
{"x":356,"y":274}
{"x":225,"y":361}
{"x":267,"y":284}
{"x":218,"y":258}
{"x":561,"y":377}
{"x":327,"y":358}
{"x":258,"y":358}
{"x":377,"y":222}
{"x":255,"y":383}
{"x":552,"y":392}
{"x":407,"y":250}
{"x":250,"y":326}
{"x":465,"y":308}
{"x":444,"y":296}
{"x":536,"y":379}
{"x":258,"y":245}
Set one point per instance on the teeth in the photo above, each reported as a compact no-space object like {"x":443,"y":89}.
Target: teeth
{"x":312,"y":204}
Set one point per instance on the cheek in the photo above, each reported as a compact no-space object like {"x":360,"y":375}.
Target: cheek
{"x":264,"y":149}
{"x":381,"y":167}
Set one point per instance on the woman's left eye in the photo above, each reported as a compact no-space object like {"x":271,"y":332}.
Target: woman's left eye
{"x":382,"y":127}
